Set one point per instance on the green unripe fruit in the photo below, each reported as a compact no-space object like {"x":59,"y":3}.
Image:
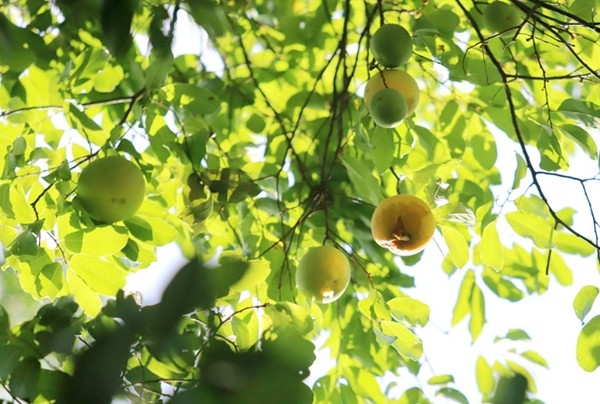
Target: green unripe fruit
{"x":391,"y":45}
{"x":111,"y":189}
{"x":388,"y":108}
{"x":323,"y":274}
{"x":399,"y":81}
{"x":500,"y":17}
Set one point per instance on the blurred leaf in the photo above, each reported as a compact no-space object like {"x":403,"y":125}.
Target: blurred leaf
{"x":24,"y":379}
{"x":484,"y":376}
{"x":116,"y":19}
{"x":440,"y":379}
{"x":453,"y":394}
{"x":535,"y":358}
{"x":477,"y":319}
{"x":462,"y":307}
{"x":510,"y":390}
{"x":405,"y":341}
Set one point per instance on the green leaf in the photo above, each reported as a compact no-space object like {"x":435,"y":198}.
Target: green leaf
{"x":462,"y":307}
{"x":9,"y":357}
{"x":514,"y":335}
{"x":457,"y":246}
{"x":582,"y":138}
{"x":582,"y":304}
{"x":24,"y":379}
{"x":440,"y":379}
{"x":477,"y":319}
{"x":535,"y":358}
{"x":588,"y":345}
{"x":382,"y":143}
{"x":501,"y":286}
{"x":587,"y":112}
{"x":560,"y":269}
{"x":116,"y":25}
{"x":100,"y":275}
{"x":484,"y":376}
{"x":258,"y":271}
{"x":98,"y":241}
{"x":532,"y":227}
{"x":520,"y":172}
{"x":365,"y":184}
{"x":405,"y":341}
{"x":511,"y":390}
{"x":490,"y":248}
{"x":411,"y":310}
{"x":413,"y":395}
{"x":452,"y":394}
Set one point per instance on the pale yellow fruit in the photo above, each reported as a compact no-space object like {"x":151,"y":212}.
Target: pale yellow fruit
{"x":323,"y":273}
{"x":388,"y":108}
{"x":111,"y":189}
{"x":399,"y":81}
{"x":404,"y":224}
{"x":391,"y":45}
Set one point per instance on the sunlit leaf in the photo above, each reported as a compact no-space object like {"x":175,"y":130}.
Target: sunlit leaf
{"x":462,"y":307}
{"x":588,"y":345}
{"x":102,"y":276}
{"x":490,"y":248}
{"x":582,"y":304}
{"x":99,"y":241}
{"x":411,"y":310}
{"x":477,"y":319}
{"x":440,"y":379}
{"x":405,"y":341}
{"x":457,"y":246}
{"x":484,"y":376}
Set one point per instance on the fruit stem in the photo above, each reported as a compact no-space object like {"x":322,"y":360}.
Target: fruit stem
{"x":400,"y":234}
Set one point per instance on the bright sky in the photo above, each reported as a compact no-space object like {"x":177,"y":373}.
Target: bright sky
{"x":549,"y":319}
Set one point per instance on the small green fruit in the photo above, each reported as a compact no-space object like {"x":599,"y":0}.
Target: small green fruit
{"x":391,"y":45}
{"x":111,"y":189}
{"x":323,"y":273}
{"x":388,"y":108}
{"x":500,"y":17}
{"x":399,"y":81}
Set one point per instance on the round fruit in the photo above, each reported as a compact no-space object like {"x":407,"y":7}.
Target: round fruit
{"x":388,"y":108}
{"x":400,"y":81}
{"x":403,"y":224}
{"x":500,"y":17}
{"x":323,"y":273}
{"x":111,"y":189}
{"x":391,"y":45}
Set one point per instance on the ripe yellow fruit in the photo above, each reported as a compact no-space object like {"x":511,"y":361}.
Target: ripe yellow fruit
{"x":323,"y":273}
{"x":391,"y":45}
{"x":403,"y":224}
{"x":388,"y":108}
{"x":500,"y":17}
{"x":399,"y":81}
{"x":111,"y":189}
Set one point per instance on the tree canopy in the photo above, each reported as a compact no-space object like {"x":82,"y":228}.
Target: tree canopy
{"x":259,"y":147}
